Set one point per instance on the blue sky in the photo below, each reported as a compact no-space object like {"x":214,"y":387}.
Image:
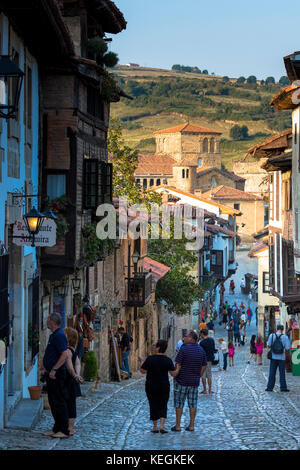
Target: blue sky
{"x":228,"y":37}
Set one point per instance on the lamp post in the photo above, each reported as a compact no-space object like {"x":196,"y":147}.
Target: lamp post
{"x":76,"y":282}
{"x":11,"y":79}
{"x":135,"y":258}
{"x":33,"y":221}
{"x":63,"y":289}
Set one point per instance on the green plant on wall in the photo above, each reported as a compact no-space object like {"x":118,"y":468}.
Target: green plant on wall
{"x":90,"y":370}
{"x":97,"y":48}
{"x":33,"y":335}
{"x":59,"y":206}
{"x":93,"y":247}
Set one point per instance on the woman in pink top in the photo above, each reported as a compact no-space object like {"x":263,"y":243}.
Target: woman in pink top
{"x":231,"y":349}
{"x":259,"y":349}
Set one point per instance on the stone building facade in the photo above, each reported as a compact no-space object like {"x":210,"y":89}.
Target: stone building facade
{"x":188,"y":158}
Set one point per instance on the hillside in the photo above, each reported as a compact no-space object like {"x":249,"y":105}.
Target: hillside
{"x":166,"y":98}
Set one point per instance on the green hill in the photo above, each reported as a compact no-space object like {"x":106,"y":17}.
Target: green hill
{"x":166,"y":98}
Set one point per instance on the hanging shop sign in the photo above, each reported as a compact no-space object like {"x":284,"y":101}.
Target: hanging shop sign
{"x":45,"y":237}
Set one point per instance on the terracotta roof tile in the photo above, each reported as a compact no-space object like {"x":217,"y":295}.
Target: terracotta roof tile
{"x":226,"y":192}
{"x":155,"y":164}
{"x":217,"y":228}
{"x":158,"y":270}
{"x":256,"y":248}
{"x":188,"y":128}
{"x":270,"y":143}
{"x":284,"y":99}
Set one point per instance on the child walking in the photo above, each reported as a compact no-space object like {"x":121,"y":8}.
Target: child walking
{"x":259,"y":349}
{"x":231,"y":350}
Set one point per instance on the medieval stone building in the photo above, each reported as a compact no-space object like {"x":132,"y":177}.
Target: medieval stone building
{"x":188,"y":158}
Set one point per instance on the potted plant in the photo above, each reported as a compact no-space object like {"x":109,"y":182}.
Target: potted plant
{"x":35,"y":392}
{"x":90,"y":370}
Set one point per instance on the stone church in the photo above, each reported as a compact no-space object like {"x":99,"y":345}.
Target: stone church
{"x":188,"y":158}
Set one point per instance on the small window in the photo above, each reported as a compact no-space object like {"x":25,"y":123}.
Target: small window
{"x":151,"y":182}
{"x":205,"y":145}
{"x":138,"y":181}
{"x":95,"y":105}
{"x":183,"y":173}
{"x":199,"y":162}
{"x":266,"y":282}
{"x":145,"y":184}
{"x":187,"y":173}
{"x":236,"y":206}
{"x":158,"y":182}
{"x":56,"y":185}
{"x":212,"y":146}
{"x":295,"y":133}
{"x":97,"y":186}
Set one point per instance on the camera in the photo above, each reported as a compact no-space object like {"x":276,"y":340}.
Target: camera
{"x":44,"y":377}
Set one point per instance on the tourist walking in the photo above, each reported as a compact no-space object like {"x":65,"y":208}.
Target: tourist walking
{"x":223,"y":348}
{"x":249,"y":315}
{"x":209,"y":347}
{"x":242,"y":333}
{"x":278,"y":344}
{"x":55,"y":374}
{"x":125,"y":349}
{"x":231,"y":350}
{"x":259,"y":345}
{"x":229,"y":329}
{"x":157,"y":367}
{"x":253,"y":352}
{"x":232,"y":286}
{"x":192,"y":361}
{"x":211,"y":328}
{"x":236,"y":333}
{"x":73,"y":376}
{"x":225,"y":317}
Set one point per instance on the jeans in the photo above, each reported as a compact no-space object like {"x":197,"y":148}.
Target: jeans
{"x":125,"y":362}
{"x":274,"y":363}
{"x":225,"y":355}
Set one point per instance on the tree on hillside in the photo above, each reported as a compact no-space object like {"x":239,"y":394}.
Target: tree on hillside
{"x":270,"y":81}
{"x":176,"y":67}
{"x":284,"y":80}
{"x":241,"y":80}
{"x":225,"y":79}
{"x":251,"y":79}
{"x":205,"y":72}
{"x":239,"y":132}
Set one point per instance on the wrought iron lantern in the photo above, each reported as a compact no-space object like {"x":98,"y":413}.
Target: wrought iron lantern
{"x":103,"y":309}
{"x":76,"y":282}
{"x":63,"y":288}
{"x":116,"y":307}
{"x":135,"y":257}
{"x":11,"y":79}
{"x":33,"y":221}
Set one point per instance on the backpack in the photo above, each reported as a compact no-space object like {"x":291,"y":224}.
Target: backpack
{"x":277,"y":346}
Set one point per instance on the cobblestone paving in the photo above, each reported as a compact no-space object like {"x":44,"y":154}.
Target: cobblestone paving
{"x":239,"y":415}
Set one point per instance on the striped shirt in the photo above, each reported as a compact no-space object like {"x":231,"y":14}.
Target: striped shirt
{"x":192,"y":358}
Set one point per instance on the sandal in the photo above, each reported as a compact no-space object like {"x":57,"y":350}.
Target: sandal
{"x":188,"y":429}
{"x":163,"y":431}
{"x":155,"y":431}
{"x":174,"y":429}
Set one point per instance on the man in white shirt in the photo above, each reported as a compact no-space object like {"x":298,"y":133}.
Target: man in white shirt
{"x":278,"y":348}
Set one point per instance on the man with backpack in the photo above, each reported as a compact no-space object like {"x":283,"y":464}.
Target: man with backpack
{"x":278,"y":343}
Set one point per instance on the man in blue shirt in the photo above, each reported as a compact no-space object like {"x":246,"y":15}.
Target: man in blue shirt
{"x":192,"y":362}
{"x":55,"y":372}
{"x":278,"y":360}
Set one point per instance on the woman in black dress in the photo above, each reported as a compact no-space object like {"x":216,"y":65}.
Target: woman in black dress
{"x":157,"y":366}
{"x":73,"y":376}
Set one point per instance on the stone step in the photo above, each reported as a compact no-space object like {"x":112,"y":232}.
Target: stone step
{"x":26,"y":414}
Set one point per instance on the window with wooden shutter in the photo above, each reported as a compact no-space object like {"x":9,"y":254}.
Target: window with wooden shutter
{"x":277,"y":196}
{"x":97,"y":187}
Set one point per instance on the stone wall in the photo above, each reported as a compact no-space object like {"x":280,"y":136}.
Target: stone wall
{"x":253,"y":174}
{"x":205,"y":181}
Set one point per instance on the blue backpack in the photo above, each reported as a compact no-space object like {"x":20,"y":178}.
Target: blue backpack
{"x":277,"y":346}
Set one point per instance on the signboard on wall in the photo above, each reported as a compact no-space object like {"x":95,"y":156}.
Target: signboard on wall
{"x":45,"y":237}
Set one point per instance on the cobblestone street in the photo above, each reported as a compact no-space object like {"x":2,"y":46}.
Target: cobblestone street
{"x":239,"y":415}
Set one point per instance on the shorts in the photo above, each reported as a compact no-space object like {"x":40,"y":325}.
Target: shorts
{"x":207,"y":373}
{"x":182,"y":392}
